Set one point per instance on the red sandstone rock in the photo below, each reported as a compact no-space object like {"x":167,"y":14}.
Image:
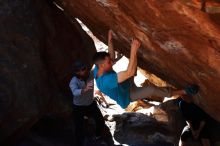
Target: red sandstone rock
{"x":180,"y":43}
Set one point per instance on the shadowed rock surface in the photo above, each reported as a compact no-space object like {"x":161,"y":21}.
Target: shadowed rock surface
{"x":38,"y":44}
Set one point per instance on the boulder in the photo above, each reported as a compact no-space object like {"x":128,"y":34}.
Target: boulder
{"x":38,"y":44}
{"x":180,"y":41}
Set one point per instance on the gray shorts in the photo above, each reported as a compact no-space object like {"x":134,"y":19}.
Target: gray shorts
{"x":148,"y":92}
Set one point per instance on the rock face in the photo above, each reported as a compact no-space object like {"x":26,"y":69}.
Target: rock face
{"x":180,"y":42}
{"x":158,"y":125}
{"x":38,"y":44}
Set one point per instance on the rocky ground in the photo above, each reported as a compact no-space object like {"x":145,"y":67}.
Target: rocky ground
{"x":153,"y":126}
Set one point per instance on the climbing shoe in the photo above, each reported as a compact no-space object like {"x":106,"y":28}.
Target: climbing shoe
{"x":192,"y":90}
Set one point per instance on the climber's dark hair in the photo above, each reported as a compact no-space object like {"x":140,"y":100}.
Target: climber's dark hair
{"x":99,"y":57}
